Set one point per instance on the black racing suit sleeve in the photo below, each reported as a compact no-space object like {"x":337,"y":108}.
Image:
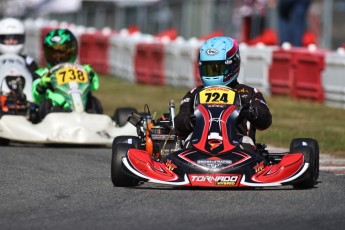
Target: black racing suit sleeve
{"x":264,"y":118}
{"x":183,"y":124}
{"x":262,"y":121}
{"x":31,"y":65}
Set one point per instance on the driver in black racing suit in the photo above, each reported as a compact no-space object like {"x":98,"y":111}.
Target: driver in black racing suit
{"x":219,"y":64}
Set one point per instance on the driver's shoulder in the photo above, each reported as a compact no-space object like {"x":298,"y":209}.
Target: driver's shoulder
{"x":242,"y":88}
{"x":88,"y":68}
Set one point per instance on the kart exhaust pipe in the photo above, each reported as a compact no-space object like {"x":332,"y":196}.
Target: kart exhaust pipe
{"x":172,"y":112}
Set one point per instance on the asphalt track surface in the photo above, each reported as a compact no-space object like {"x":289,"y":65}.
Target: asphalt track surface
{"x":70,"y":188}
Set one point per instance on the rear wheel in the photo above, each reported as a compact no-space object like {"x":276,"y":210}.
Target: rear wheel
{"x":121,"y":115}
{"x":119,"y":176}
{"x":310,"y":149}
{"x":94,"y":105}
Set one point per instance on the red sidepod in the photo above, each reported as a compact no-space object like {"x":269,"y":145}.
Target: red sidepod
{"x":143,"y":163}
{"x":289,"y":165}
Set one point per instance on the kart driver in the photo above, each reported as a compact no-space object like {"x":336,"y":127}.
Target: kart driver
{"x":219,"y":64}
{"x":60,"y":46}
{"x":12,"y":38}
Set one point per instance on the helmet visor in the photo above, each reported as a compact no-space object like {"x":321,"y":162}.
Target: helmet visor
{"x":218,"y":68}
{"x":12,"y":39}
{"x":59,"y":54}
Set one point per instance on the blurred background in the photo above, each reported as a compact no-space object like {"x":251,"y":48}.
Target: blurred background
{"x":245,"y":20}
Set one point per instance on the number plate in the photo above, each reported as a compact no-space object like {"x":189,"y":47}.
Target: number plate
{"x":217,"y":95}
{"x":68,"y":74}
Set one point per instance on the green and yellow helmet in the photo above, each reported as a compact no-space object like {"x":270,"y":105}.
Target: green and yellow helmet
{"x":60,"y":46}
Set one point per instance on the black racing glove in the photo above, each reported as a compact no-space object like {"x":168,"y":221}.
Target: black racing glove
{"x":249,"y":111}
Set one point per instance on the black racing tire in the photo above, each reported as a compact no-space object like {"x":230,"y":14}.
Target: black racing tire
{"x":4,"y":142}
{"x":131,"y":140}
{"x":34,"y":116}
{"x":309,"y":178}
{"x":93,"y":105}
{"x":119,"y":176}
{"x":121,"y":115}
{"x":314,"y":145}
{"x":44,"y":108}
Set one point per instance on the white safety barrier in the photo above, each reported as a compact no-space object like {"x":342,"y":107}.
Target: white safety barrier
{"x":333,"y":79}
{"x":188,"y":62}
{"x":255,"y":64}
{"x":33,"y":37}
{"x":180,"y":62}
{"x":121,"y":55}
{"x":171,"y":63}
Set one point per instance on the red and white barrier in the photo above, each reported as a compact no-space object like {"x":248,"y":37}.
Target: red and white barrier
{"x":94,"y":48}
{"x":302,"y":73}
{"x":122,"y":53}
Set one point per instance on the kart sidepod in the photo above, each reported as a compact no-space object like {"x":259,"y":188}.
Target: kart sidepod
{"x":63,"y":128}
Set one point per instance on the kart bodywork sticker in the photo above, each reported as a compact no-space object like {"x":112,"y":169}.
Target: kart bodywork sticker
{"x":215,"y":180}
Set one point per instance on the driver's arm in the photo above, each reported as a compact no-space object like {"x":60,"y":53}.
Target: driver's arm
{"x":39,"y":86}
{"x":31,"y":65}
{"x":183,"y":123}
{"x":263,"y":120}
{"x":93,"y":77}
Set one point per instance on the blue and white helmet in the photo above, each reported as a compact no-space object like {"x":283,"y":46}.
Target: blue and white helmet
{"x":219,"y":61}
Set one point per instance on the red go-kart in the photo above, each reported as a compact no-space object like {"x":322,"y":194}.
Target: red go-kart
{"x":214,"y":155}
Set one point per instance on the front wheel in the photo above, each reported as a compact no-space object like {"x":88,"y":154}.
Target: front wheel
{"x":133,"y":141}
{"x":119,"y":176}
{"x":121,"y":115}
{"x":310,"y":149}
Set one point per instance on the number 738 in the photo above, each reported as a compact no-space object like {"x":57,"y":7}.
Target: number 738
{"x":71,"y":74}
